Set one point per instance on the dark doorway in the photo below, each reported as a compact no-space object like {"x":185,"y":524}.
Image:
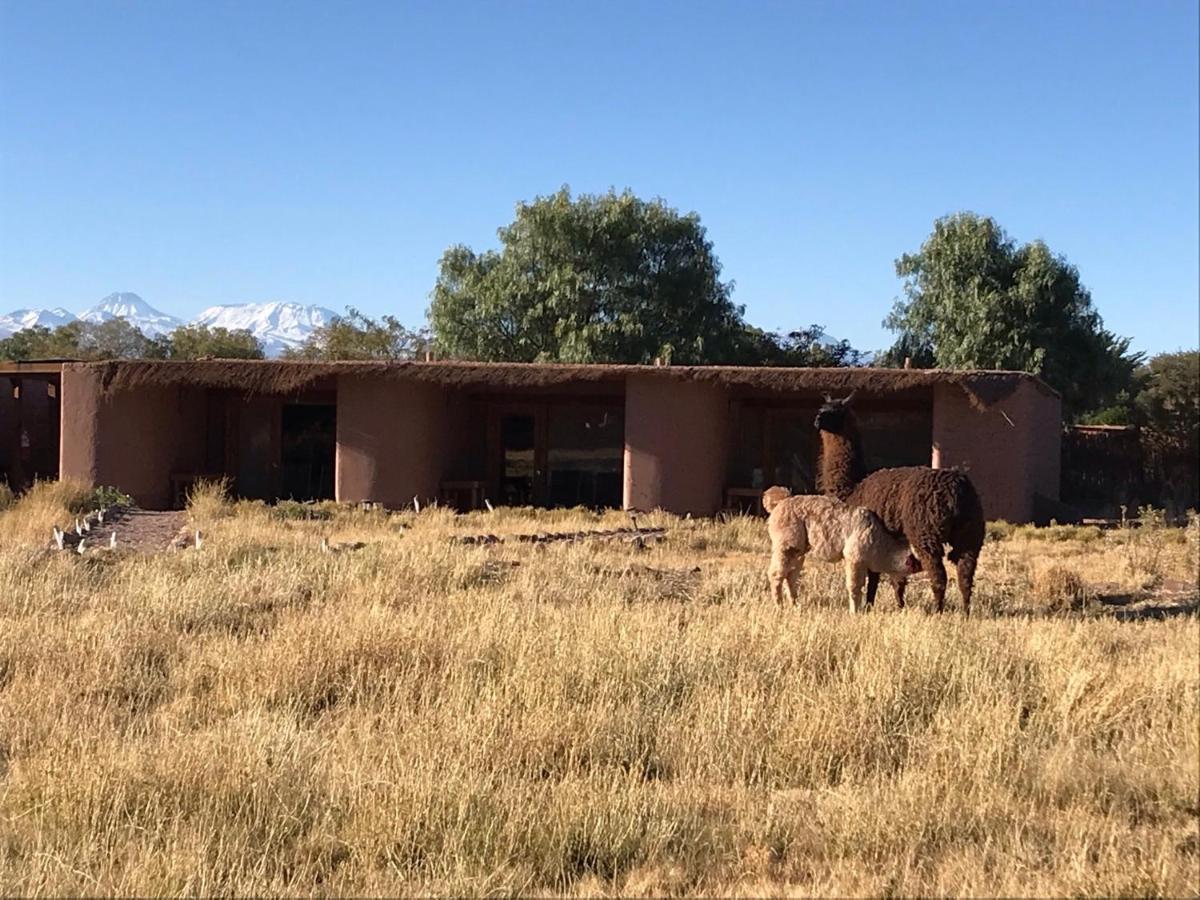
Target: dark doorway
{"x":520,"y":466}
{"x":29,"y":430}
{"x":308,"y":450}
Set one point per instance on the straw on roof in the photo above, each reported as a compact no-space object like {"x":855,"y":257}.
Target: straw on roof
{"x":983,"y":388}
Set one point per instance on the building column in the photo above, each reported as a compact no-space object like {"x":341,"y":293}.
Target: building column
{"x":676,"y":444}
{"x":132,"y":440}
{"x":391,"y":440}
{"x":79,"y":440}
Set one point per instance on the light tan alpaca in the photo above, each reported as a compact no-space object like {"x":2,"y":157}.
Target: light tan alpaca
{"x":831,"y":531}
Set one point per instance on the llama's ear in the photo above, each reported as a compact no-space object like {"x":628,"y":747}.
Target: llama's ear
{"x":849,"y":397}
{"x":828,"y":398}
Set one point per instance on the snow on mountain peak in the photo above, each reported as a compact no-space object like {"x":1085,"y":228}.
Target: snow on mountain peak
{"x":277,"y":325}
{"x":135,"y":311}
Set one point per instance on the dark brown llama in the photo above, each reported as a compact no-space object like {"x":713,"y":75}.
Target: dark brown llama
{"x":931,"y":507}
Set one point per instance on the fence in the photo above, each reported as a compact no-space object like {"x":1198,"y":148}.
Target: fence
{"x":1105,"y":467}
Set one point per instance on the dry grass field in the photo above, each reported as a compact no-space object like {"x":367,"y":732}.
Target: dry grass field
{"x":421,"y":716}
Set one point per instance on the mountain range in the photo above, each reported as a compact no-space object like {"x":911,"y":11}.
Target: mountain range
{"x":277,"y":325}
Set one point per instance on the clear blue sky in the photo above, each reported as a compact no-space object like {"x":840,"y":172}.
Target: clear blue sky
{"x":210,"y":152}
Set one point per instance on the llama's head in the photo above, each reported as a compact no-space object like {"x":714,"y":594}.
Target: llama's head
{"x":912,"y":565}
{"x":773,"y":496}
{"x":835,"y":415}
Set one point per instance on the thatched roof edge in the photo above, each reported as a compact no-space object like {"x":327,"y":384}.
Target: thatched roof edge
{"x":983,"y":388}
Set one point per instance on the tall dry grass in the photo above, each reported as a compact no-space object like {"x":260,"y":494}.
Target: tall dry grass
{"x":420,"y":717}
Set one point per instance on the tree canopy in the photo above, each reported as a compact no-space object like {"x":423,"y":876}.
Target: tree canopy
{"x":803,"y":347}
{"x":594,"y":278}
{"x":356,"y":336}
{"x":1169,"y":395}
{"x":976,"y":299}
{"x":117,"y":339}
{"x":114,"y":339}
{"x":199,"y":341}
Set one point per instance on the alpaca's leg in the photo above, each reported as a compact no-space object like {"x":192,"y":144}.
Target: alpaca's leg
{"x":783,"y":573}
{"x":795,"y":569}
{"x":872,"y":588}
{"x":931,"y":562}
{"x":898,"y":585}
{"x":776,"y":574}
{"x":964,"y":574}
{"x":856,"y":576}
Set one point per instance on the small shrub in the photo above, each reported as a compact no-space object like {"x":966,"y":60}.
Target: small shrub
{"x":105,"y":496}
{"x":208,"y":500}
{"x":999,"y":530}
{"x":1144,"y":544}
{"x":1060,"y":589}
{"x":7,"y":497}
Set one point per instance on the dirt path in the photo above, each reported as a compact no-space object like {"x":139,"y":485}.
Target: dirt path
{"x":136,"y":529}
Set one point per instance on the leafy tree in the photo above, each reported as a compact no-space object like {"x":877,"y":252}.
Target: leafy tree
{"x":199,"y":341}
{"x":975,"y":299}
{"x":1169,"y":400}
{"x":356,"y":336}
{"x":607,"y":278}
{"x":114,"y":339}
{"x":117,"y":339}
{"x":40,"y":342}
{"x":803,"y":347}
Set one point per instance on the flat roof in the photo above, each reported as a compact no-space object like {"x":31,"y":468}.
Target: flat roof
{"x":983,"y":387}
{"x":32,"y":367}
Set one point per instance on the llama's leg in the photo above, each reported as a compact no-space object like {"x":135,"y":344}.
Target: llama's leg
{"x":931,"y":562}
{"x":872,"y":588}
{"x":964,"y":574}
{"x":856,"y":576}
{"x":898,"y":585}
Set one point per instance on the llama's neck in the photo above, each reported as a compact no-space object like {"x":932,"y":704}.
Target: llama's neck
{"x":842,"y":466}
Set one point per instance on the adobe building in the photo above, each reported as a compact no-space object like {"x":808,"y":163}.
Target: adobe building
{"x":688,"y":439}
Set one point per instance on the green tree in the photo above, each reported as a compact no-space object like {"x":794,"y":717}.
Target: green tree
{"x":975,"y":299}
{"x":356,"y":336}
{"x":40,"y":342}
{"x":114,"y":339}
{"x":803,"y":347}
{"x":1169,"y":399}
{"x":199,"y":341}
{"x":608,"y":278}
{"x":117,"y":339}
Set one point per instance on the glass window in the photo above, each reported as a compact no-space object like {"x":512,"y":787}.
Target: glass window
{"x":585,"y":455}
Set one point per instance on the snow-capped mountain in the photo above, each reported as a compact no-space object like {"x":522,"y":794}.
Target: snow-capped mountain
{"x":133,"y":309}
{"x":277,"y":325}
{"x":20,"y":319}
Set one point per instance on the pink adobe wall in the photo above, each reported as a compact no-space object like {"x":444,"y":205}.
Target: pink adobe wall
{"x":1045,"y":440}
{"x":131,"y":440}
{"x":676,"y":444}
{"x":392,"y":440}
{"x":1010,"y":450}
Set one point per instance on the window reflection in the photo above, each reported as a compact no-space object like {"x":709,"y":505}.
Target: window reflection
{"x":586,"y":455}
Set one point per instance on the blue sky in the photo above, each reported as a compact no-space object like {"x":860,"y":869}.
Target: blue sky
{"x":200,"y":153}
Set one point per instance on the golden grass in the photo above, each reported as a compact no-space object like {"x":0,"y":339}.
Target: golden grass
{"x":419,"y":717}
